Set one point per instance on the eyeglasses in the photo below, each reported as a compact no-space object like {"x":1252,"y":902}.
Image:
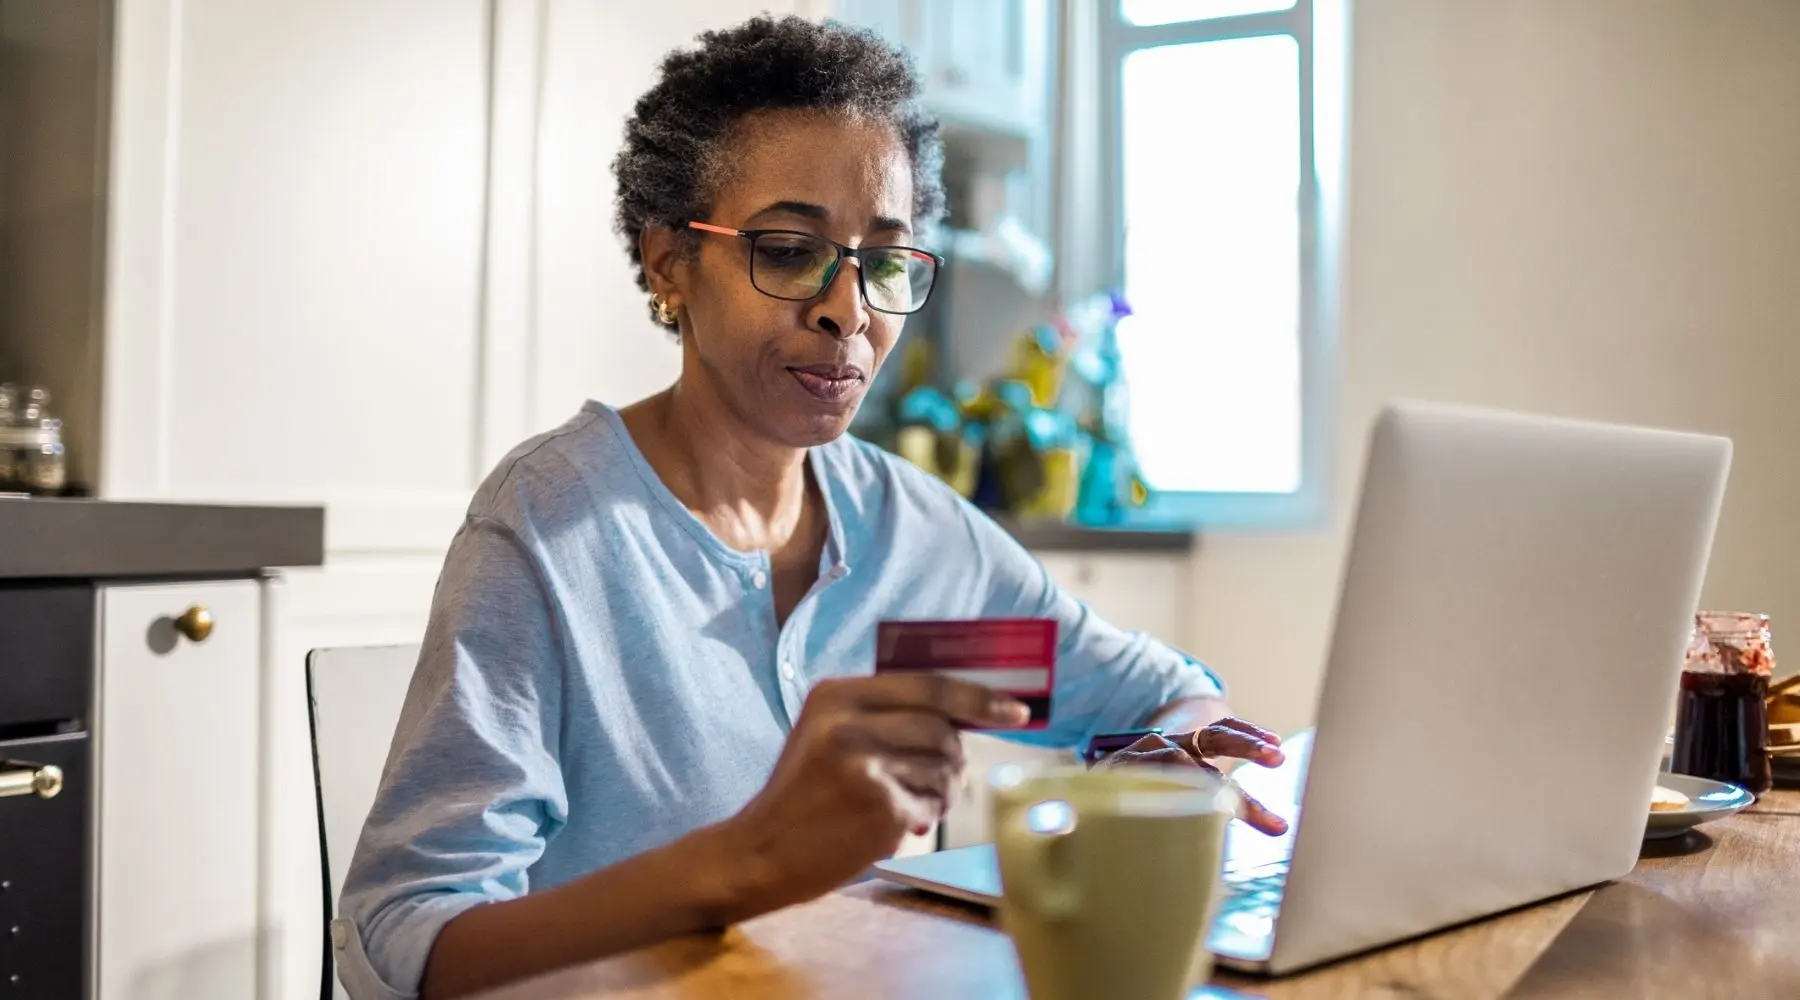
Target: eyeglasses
{"x":785,"y":264}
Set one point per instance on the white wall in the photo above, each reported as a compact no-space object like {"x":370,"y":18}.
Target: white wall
{"x":1578,"y":208}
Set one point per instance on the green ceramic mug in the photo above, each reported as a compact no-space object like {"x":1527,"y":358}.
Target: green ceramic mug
{"x":1110,"y":877}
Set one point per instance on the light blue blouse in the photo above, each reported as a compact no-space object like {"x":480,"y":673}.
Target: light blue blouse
{"x":601,"y":674}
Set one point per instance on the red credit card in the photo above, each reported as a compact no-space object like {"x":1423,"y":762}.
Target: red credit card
{"x":1013,"y":655}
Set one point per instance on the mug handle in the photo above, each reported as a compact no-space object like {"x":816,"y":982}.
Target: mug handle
{"x":1050,"y":890}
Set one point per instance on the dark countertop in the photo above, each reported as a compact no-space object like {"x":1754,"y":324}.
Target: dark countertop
{"x":1058,"y":536}
{"x":105,"y":539}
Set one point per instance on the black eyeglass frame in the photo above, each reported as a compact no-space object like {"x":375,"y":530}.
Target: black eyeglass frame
{"x":854,"y":253}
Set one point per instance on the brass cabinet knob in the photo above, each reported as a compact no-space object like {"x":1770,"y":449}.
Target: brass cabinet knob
{"x":196,"y":623}
{"x":43,"y":781}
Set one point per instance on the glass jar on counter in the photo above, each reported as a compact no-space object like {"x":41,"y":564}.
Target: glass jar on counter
{"x":46,"y":468}
{"x":1722,"y":723}
{"x":32,"y":456}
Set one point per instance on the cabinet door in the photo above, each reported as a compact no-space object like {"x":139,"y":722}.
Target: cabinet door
{"x":295,"y":275}
{"x":902,"y":22}
{"x":987,"y":63}
{"x":179,"y":745}
{"x":979,"y":44}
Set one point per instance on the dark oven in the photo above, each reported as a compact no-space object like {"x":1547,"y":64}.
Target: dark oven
{"x":46,"y":792}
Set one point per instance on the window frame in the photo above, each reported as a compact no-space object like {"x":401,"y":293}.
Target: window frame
{"x":1318,"y":28}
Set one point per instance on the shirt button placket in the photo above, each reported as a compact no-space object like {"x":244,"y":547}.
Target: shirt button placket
{"x":792,"y":695}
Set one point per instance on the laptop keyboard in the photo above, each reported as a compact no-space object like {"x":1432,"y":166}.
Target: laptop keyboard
{"x":1254,"y":890}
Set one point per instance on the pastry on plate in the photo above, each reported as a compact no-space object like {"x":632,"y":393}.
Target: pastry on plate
{"x":1667,"y":800}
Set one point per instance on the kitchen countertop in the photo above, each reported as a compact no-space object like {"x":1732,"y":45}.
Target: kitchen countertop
{"x":44,"y":538}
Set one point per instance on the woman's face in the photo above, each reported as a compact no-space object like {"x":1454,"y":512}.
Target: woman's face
{"x":793,"y":372}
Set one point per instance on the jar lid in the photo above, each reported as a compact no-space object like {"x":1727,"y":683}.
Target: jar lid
{"x":1730,"y":642}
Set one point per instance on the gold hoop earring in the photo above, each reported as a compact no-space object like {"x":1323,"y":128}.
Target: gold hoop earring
{"x":664,"y":314}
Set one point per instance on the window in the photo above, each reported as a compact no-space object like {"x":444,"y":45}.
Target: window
{"x":1221,"y":122}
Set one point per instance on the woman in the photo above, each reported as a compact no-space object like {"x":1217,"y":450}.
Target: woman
{"x":644,"y":704}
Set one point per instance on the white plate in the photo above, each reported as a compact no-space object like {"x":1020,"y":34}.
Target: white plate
{"x":1707,"y":800}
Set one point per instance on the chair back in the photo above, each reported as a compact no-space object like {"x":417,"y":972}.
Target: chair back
{"x":354,"y":696}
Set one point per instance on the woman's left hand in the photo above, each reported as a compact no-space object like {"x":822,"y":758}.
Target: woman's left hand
{"x":1233,"y":738}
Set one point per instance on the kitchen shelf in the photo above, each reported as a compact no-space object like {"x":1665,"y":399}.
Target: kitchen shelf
{"x":1061,"y":536}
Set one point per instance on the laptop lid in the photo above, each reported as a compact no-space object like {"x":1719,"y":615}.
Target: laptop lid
{"x":1514,"y":608}
{"x":1516,"y":600}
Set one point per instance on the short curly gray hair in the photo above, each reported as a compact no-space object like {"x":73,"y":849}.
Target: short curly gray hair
{"x":670,"y":159}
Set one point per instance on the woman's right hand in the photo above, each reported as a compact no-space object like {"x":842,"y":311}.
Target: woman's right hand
{"x":869,"y":759}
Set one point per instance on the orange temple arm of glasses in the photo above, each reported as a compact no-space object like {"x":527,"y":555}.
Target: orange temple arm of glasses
{"x":727,"y":231}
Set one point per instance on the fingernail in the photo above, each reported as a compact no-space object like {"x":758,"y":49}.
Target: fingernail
{"x":1010,"y":712}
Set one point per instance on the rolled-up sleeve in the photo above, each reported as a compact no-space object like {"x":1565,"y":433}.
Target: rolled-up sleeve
{"x":472,"y":790}
{"x":1107,"y":678}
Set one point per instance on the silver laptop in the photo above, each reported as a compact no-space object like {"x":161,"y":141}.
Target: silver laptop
{"x":1502,"y":671}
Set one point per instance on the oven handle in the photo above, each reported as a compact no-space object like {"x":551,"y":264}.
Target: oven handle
{"x":41,"y":780}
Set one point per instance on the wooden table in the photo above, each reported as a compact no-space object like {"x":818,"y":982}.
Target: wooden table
{"x":1714,"y":914}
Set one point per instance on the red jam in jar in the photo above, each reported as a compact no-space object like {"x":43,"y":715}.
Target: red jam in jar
{"x":1722,"y":718}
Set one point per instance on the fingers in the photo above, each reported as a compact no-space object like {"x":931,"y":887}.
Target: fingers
{"x":1219,"y":740}
{"x":925,"y":777}
{"x":914,"y":733}
{"x":1259,"y":817}
{"x":916,"y":756}
{"x":1249,"y":729}
{"x":920,"y":789}
{"x":960,"y":701}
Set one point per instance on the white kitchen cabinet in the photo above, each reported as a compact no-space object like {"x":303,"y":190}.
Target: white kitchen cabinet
{"x":180,"y":795}
{"x":984,"y":63}
{"x":987,"y":64}
{"x":294,"y":298}
{"x":902,"y":22}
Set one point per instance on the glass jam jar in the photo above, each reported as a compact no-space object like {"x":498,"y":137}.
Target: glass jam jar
{"x":1722,"y":718}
